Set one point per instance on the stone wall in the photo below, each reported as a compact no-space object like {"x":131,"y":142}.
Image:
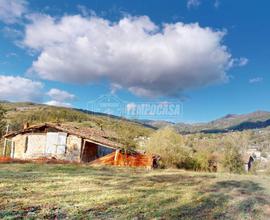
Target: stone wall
{"x":18,"y":146}
{"x":74,"y":145}
{"x":36,"y":147}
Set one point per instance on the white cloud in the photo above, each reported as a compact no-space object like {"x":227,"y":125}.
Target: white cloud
{"x":86,"y":11}
{"x":12,"y":10}
{"x":60,"y":98}
{"x":239,"y":62}
{"x":60,"y":95}
{"x":115,"y":87}
{"x":256,"y":80}
{"x":12,"y":33}
{"x":197,"y":3}
{"x":133,"y":53}
{"x":57,"y":103}
{"x":216,"y":3}
{"x":243,"y":61}
{"x":16,"y":88}
{"x":193,"y":3}
{"x":11,"y":54}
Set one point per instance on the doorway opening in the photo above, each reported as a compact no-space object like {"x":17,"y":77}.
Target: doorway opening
{"x":90,"y":152}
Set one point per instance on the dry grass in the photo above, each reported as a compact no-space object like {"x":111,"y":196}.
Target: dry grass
{"x":49,"y":191}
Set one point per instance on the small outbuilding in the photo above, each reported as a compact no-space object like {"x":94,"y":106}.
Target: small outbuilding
{"x":71,"y":143}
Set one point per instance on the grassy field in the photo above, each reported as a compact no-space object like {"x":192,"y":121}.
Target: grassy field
{"x":41,"y":191}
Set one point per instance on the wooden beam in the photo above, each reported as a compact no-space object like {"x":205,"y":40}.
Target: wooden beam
{"x":100,"y":144}
{"x":7,"y":130}
{"x":116,"y":156}
{"x":5,"y":147}
{"x":82,"y":148}
{"x":12,"y":149}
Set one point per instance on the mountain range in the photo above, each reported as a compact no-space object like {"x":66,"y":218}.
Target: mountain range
{"x":230,"y":122}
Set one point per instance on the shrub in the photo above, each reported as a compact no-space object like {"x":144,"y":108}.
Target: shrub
{"x":170,"y":146}
{"x":267,"y":169}
{"x":232,"y":160}
{"x":2,"y":121}
{"x":256,"y":165}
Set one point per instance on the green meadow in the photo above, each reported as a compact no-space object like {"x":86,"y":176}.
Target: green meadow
{"x":50,"y":191}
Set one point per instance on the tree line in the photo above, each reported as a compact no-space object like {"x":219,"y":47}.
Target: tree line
{"x":195,"y":152}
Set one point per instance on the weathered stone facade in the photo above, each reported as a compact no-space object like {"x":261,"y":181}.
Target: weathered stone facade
{"x":74,"y":145}
{"x":30,"y":146}
{"x":18,"y":146}
{"x":35,"y":146}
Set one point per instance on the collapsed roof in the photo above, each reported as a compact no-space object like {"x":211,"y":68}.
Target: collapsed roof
{"x":92,"y":134}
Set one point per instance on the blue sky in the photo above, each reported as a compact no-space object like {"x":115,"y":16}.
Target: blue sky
{"x":210,"y":55}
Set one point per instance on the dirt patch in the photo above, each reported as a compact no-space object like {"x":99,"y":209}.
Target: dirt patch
{"x":52,"y":161}
{"x":11,"y":160}
{"x":38,"y":160}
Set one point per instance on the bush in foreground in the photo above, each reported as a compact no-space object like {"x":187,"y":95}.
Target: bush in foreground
{"x":232,"y":160}
{"x":170,"y":146}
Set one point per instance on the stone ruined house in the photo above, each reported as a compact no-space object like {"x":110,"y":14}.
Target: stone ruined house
{"x":71,"y":143}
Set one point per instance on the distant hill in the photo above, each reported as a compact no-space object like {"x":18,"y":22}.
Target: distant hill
{"x":230,"y":122}
{"x":21,"y":112}
{"x":155,"y":124}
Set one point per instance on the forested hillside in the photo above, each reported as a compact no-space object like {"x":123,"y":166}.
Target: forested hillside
{"x":17,"y":114}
